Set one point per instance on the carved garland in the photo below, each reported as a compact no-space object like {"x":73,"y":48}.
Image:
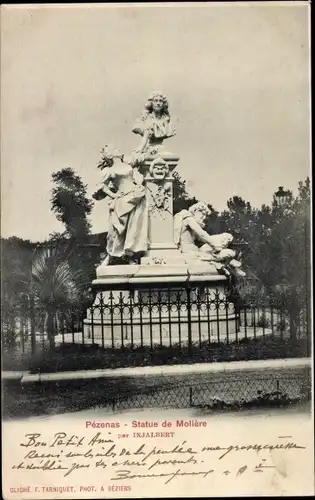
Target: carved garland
{"x":159,"y":202}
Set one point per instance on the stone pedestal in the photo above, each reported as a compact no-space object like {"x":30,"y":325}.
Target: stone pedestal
{"x":156,"y":273}
{"x":158,"y":180}
{"x":138,"y":307}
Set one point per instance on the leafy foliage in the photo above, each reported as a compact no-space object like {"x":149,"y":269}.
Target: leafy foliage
{"x":276,"y":243}
{"x":55,"y":284}
{"x":70,"y":203}
{"x":181,"y":199}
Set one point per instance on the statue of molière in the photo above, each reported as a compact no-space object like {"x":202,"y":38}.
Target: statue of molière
{"x":155,"y":125}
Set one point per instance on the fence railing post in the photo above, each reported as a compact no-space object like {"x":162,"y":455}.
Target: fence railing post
{"x":32,"y":321}
{"x":190,"y":397}
{"x":308,"y":326}
{"x":188,"y":292}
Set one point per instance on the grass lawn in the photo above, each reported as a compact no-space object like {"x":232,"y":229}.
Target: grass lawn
{"x":214,"y":391}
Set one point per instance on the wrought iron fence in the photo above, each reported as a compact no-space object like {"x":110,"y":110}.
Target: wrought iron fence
{"x":204,"y":392}
{"x":161,"y":316}
{"x":181,"y":319}
{"x":187,"y":316}
{"x":237,"y":391}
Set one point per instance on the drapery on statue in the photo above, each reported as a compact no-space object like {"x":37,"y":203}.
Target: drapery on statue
{"x":154,"y":125}
{"x":189,"y":230}
{"x":128,"y":217}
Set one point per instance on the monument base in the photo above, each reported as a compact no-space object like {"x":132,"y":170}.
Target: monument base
{"x":160,"y":305}
{"x":156,"y":273}
{"x":165,"y":254}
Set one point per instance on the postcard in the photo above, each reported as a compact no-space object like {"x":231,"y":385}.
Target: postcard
{"x":156,"y":250}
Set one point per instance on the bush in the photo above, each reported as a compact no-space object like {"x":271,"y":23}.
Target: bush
{"x":263,"y":321}
{"x":71,"y":357}
{"x":281,"y":326}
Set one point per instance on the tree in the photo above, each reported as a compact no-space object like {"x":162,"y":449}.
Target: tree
{"x":277,"y":242}
{"x":291,"y":241}
{"x":55,"y":290}
{"x":72,"y":207}
{"x":181,"y":198}
{"x":16,"y":253}
{"x":43,"y":282}
{"x":239,"y":218}
{"x":70,"y":203}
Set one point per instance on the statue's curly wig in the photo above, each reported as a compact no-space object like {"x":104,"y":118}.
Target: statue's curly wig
{"x":107,"y":159}
{"x":201,"y":206}
{"x":148,"y":108}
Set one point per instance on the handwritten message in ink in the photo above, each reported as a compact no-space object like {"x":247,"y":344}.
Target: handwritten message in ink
{"x":128,"y":456}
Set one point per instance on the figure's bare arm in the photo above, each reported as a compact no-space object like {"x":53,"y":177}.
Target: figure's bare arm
{"x":108,"y":191}
{"x":200,"y":233}
{"x":144,"y":141}
{"x":105,"y":190}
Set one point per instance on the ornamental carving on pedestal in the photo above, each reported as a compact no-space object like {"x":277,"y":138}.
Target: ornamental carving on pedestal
{"x":159,"y":169}
{"x":157,"y":261}
{"x":159,"y":192}
{"x":159,"y":200}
